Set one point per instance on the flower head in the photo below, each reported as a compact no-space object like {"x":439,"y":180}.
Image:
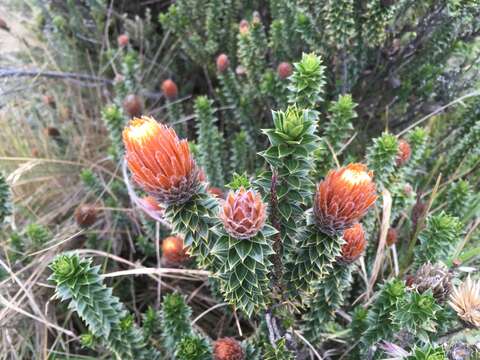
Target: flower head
{"x":170,"y":89}
{"x":433,"y":277}
{"x":465,"y":300}
{"x":343,"y":198}
{"x":392,"y":236}
{"x":404,"y":152}
{"x":243,"y":213}
{"x":355,"y":244}
{"x":227,"y":349}
{"x":222,"y":63}
{"x":284,"y":70}
{"x":173,"y":250}
{"x":123,"y":40}
{"x":160,"y":162}
{"x":243,"y":27}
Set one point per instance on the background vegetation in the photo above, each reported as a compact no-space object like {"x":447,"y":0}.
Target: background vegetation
{"x":378,"y":73}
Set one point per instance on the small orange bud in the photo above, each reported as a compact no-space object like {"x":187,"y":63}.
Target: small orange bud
{"x":227,"y":349}
{"x":404,"y":152}
{"x":392,"y":236}
{"x":52,"y":131}
{"x":284,"y":70}
{"x":123,"y":40}
{"x":222,"y":63}
{"x":343,"y":198}
{"x":160,"y":162}
{"x":49,"y":100}
{"x":243,"y":213}
{"x":173,"y":250}
{"x":355,"y":243}
{"x":216,"y":192}
{"x":243,"y":27}
{"x":132,"y":104}
{"x":169,"y":89}
{"x":85,"y":215}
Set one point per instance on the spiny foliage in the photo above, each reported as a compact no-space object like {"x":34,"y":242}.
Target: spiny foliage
{"x":381,"y":157}
{"x":379,"y":324}
{"x":193,"y":347}
{"x":307,"y":82}
{"x":277,"y":352}
{"x":209,"y":141}
{"x":328,"y":296}
{"x":174,"y":320}
{"x":4,"y":199}
{"x":417,"y":313}
{"x":78,"y":282}
{"x":438,"y":239}
{"x":245,"y":269}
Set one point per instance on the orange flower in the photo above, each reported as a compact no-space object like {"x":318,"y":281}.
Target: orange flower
{"x":343,"y":198}
{"x":123,"y":40}
{"x":227,"y":349}
{"x":355,"y":243}
{"x":243,"y":213}
{"x":404,"y":152}
{"x":173,"y":250}
{"x":159,"y":161}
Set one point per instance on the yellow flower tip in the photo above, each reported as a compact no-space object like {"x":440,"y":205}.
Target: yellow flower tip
{"x":141,"y":129}
{"x":356,"y":174}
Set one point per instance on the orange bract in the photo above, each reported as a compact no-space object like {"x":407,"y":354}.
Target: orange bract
{"x":173,"y":250}
{"x":343,"y":198}
{"x":355,"y":243}
{"x":159,"y":161}
{"x":243,"y":213}
{"x":404,"y":152}
{"x":227,"y":349}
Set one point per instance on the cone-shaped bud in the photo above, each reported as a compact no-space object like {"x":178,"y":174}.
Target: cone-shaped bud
{"x":173,"y":250}
{"x":343,"y":198}
{"x":291,"y":124}
{"x":169,"y":89}
{"x":465,"y":300}
{"x":222,"y":63}
{"x":433,"y":277}
{"x":243,"y":213}
{"x":160,"y":162}
{"x":123,"y":40}
{"x":227,"y":349}
{"x":284,"y":70}
{"x":392,"y":236}
{"x":404,"y":152}
{"x":243,"y":27}
{"x":355,"y":244}
{"x":85,"y":215}
{"x":132,"y":104}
